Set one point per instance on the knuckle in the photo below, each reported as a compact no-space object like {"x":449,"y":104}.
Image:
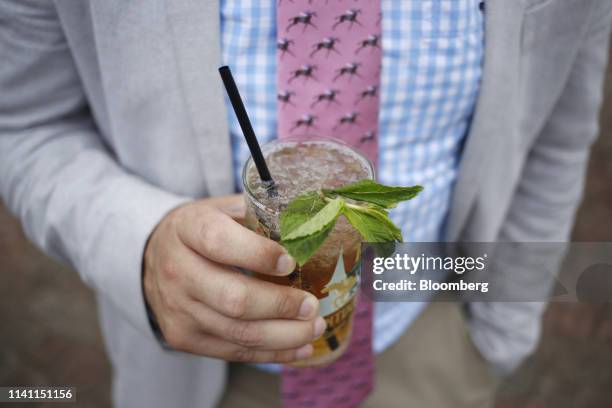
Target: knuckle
{"x":171,"y":304}
{"x":246,"y":334}
{"x":179,"y":217}
{"x":176,"y":338}
{"x":211,"y":234}
{"x":234,"y":299}
{"x":243,"y":355}
{"x":170,"y":270}
{"x":176,"y":217}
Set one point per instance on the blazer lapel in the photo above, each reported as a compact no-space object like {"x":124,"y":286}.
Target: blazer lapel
{"x":495,"y":115}
{"x":195,"y":29}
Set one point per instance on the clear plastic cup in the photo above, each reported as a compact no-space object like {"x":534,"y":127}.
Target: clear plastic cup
{"x":332,"y":273}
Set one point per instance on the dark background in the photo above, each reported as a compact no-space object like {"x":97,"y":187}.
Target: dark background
{"x":49,"y":331}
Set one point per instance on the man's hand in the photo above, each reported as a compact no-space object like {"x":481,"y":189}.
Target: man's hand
{"x":205,"y":306}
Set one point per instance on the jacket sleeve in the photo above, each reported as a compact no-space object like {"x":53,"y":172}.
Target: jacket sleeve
{"x":73,"y":199}
{"x":546,"y":199}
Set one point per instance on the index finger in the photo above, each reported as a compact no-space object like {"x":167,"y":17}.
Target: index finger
{"x":238,"y":296}
{"x":233,"y":205}
{"x":216,"y":236}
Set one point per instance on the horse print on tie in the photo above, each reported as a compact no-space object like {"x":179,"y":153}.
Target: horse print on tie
{"x":329,"y":57}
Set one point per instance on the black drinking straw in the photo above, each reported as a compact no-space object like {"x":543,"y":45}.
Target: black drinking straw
{"x":247,"y":129}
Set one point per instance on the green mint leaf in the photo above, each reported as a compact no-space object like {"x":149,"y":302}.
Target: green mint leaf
{"x":302,"y":239}
{"x":375,"y":193}
{"x":301,"y":249}
{"x":319,"y":221}
{"x":309,"y":218}
{"x":374,"y":225}
{"x":300,"y":210}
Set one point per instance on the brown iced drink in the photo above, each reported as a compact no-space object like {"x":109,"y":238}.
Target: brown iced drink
{"x":332,"y":273}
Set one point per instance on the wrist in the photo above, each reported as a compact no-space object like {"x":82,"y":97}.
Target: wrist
{"x":147,"y":288}
{"x":151,"y":317}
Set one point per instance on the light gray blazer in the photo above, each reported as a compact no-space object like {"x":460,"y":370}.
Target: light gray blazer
{"x":111,"y":114}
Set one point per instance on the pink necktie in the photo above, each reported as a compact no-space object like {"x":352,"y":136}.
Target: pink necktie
{"x":329,"y":62}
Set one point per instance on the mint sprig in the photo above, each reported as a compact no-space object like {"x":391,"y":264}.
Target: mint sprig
{"x":375,"y":193}
{"x":309,"y":218}
{"x":374,"y":225}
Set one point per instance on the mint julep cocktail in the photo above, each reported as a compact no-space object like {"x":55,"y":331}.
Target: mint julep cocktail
{"x":332,"y":272}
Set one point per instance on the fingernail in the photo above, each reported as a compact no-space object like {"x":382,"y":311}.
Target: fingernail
{"x":308,"y":307}
{"x":304,"y":352}
{"x":319,"y":327}
{"x":285,"y":264}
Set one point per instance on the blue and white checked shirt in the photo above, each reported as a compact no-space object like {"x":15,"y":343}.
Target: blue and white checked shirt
{"x":432,"y":65}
